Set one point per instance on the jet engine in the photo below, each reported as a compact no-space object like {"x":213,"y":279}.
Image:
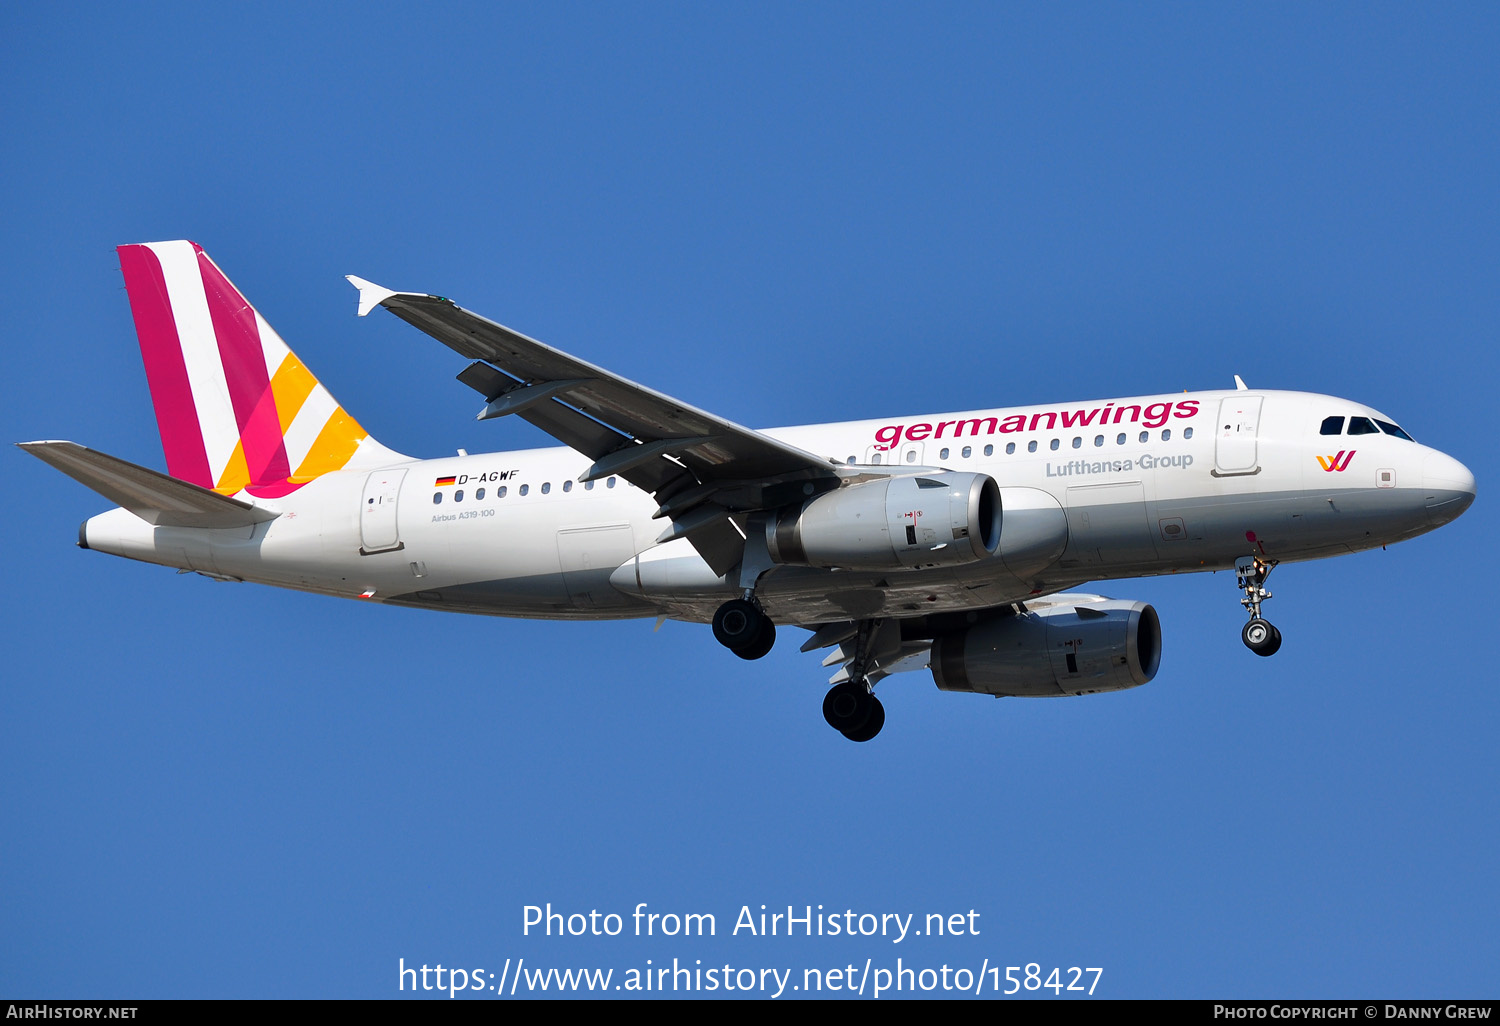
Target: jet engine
{"x":1064,"y":649}
{"x":894,"y":523}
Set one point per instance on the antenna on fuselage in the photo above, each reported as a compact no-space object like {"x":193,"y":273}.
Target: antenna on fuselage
{"x":1239,"y":384}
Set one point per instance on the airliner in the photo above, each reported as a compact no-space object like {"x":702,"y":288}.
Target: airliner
{"x":953,"y":543}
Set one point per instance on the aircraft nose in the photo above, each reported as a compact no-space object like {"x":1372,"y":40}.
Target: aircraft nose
{"x":1449,"y":486}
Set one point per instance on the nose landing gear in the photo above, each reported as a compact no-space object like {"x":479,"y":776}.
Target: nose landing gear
{"x":1250,"y":573}
{"x":1261,"y":637}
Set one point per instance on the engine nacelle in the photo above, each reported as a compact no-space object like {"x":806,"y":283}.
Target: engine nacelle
{"x":894,"y":523}
{"x":1067,"y":649}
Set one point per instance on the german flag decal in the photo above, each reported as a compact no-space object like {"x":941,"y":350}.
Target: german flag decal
{"x":442,"y":481}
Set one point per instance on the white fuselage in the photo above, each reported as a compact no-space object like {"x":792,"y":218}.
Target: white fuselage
{"x":1149,"y":485}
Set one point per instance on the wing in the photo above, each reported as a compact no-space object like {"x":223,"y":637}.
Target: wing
{"x":702,"y":469}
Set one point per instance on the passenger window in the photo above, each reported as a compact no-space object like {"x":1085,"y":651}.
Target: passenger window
{"x":1392,"y":429}
{"x":567,"y":486}
{"x":989,"y":450}
{"x":1055,"y":444}
{"x":1187,"y":432}
{"x":1010,"y":448}
{"x":1120,"y":438}
{"x":458,"y":496}
{"x":588,"y":486}
{"x":500,"y":492}
{"x":1166,"y":435}
{"x":610,"y":483}
{"x":1077,"y":442}
{"x":968,"y":451}
{"x":1362,"y":426}
{"x":1098,"y":440}
{"x":437,"y":498}
{"x":1332,"y":426}
{"x":1031,"y":446}
{"x":911,"y":456}
{"x":850,"y":461}
{"x":525,"y":489}
{"x":479,"y":495}
{"x":1145,"y":436}
{"x":942,"y":454}
{"x":876,"y":459}
{"x":546,"y":487}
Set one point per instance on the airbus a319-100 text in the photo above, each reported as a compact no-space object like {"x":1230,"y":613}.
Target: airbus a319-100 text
{"x":948,"y":542}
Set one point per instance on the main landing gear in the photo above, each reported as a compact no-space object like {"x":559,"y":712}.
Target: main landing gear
{"x":741,"y":627}
{"x":853,"y":711}
{"x":1250,"y":573}
{"x":850,"y":707}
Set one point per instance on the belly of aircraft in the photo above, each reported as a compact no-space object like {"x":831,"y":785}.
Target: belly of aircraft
{"x":1108,"y":541}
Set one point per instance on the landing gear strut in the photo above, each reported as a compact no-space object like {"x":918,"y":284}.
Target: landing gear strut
{"x":850,"y":707}
{"x":1250,"y":573}
{"x":741,"y":627}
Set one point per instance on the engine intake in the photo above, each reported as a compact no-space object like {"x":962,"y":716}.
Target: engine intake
{"x":895,"y":523}
{"x":1068,"y":649}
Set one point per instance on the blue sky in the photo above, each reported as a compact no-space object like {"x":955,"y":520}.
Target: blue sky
{"x":786,"y":214}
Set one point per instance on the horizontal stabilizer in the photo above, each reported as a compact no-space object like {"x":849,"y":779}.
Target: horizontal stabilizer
{"x":159,"y":500}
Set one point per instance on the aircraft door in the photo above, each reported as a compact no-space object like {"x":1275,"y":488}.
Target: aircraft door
{"x":1234,"y":448}
{"x":377,"y":512}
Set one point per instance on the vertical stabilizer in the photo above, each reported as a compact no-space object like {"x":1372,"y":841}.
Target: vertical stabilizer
{"x":236,"y":409}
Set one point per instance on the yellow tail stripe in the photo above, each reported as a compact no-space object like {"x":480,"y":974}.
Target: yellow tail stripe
{"x":290,"y":387}
{"x":236,"y":476}
{"x":333,"y":448}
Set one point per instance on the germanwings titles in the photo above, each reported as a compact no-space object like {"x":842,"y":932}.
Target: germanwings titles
{"x":951,"y":543}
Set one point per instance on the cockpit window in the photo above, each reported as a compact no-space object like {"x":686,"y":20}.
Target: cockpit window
{"x":1392,"y":429}
{"x":1362,"y":426}
{"x":1332,"y":426}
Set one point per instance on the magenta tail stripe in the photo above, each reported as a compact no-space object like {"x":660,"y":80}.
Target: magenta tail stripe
{"x":166,"y":373}
{"x":273,"y":489}
{"x":246,"y":375}
{"x":265,"y":449}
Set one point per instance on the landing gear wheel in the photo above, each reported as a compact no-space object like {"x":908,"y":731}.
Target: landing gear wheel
{"x":872,"y":725}
{"x":848,"y":707}
{"x":738,"y":625}
{"x":1261,"y":637}
{"x":763,"y":641}
{"x":1275,"y":645}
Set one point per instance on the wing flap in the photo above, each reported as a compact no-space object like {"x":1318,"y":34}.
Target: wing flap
{"x":159,"y":500}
